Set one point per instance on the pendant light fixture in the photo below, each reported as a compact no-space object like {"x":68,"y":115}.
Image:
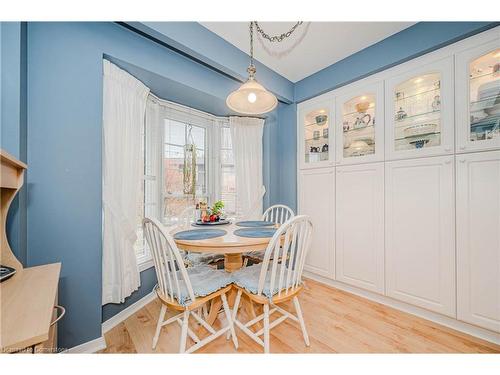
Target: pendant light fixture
{"x":252,"y":98}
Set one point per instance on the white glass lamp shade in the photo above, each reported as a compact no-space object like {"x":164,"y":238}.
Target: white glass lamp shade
{"x":251,"y":99}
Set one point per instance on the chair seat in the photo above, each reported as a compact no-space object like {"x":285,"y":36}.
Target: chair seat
{"x":248,"y":279}
{"x":204,"y":279}
{"x":198,"y":259}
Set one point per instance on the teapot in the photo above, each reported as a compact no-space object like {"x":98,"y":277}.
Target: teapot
{"x":362,"y":120}
{"x":401,"y":114}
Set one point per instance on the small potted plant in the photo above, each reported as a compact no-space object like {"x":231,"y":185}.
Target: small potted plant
{"x":217,"y":211}
{"x":214,"y":213}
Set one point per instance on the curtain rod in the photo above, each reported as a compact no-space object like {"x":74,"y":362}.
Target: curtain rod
{"x":186,"y":109}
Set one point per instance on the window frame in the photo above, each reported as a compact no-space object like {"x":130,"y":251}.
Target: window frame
{"x":213,"y":126}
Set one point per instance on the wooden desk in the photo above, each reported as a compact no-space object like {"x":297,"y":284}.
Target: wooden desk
{"x":27,"y":299}
{"x":27,"y":303}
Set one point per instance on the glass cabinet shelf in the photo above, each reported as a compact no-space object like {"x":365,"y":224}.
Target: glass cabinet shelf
{"x":412,"y":117}
{"x":417,"y":94}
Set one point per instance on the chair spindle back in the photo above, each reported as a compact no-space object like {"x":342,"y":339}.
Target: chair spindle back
{"x":284,"y":259}
{"x":279,"y":213}
{"x":168,"y":262}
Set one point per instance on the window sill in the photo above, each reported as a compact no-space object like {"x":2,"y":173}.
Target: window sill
{"x":145,"y":263}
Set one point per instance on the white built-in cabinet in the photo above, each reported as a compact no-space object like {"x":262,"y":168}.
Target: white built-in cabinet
{"x":359,"y":231}
{"x":478,"y":239}
{"x":317,"y":199}
{"x":400,"y":173}
{"x":420,"y":232}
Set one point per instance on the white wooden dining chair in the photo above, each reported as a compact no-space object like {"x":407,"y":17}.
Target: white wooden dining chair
{"x":279,"y":214}
{"x":185,"y":289}
{"x":273,"y":282}
{"x":191,"y":258}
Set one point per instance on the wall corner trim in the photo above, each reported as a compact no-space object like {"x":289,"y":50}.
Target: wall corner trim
{"x":125,"y":313}
{"x":88,"y":347}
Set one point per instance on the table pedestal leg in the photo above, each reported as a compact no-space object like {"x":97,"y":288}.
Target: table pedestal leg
{"x":233,"y":262}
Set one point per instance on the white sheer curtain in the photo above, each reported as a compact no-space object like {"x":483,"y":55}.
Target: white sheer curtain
{"x":246,"y":135}
{"x":124,"y":104}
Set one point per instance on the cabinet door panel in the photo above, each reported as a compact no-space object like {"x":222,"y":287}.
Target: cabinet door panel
{"x":317,"y":199}
{"x":477,"y":89}
{"x":420,"y":228}
{"x":419,"y":111}
{"x":359,"y":127}
{"x":478,"y":239}
{"x":360,"y":226}
{"x":315,"y":119}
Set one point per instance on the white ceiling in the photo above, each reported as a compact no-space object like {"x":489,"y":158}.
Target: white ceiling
{"x":312,"y":47}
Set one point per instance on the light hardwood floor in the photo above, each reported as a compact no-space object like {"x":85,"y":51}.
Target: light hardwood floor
{"x":337,"y":321}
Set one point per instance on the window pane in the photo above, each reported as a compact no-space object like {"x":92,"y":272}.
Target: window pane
{"x":175,"y":200}
{"x":175,"y":132}
{"x":198,"y":136}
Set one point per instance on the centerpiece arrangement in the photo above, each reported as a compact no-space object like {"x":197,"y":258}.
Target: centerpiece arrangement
{"x":211,"y":215}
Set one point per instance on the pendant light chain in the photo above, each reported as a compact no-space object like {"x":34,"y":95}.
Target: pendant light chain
{"x":251,"y":43}
{"x":277,"y":38}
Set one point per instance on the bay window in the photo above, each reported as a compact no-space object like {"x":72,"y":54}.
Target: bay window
{"x":168,"y":128}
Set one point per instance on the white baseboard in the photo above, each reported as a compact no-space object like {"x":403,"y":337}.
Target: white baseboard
{"x":88,"y":347}
{"x":125,"y":313}
{"x":422,"y":313}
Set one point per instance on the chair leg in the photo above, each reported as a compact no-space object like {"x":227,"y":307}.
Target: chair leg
{"x":301,"y":320}
{"x":235,"y":309}
{"x":266,"y":328}
{"x":184,"y":332}
{"x":159,"y":325}
{"x":229,"y":319}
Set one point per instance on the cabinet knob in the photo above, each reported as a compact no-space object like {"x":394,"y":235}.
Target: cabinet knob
{"x":462,"y":160}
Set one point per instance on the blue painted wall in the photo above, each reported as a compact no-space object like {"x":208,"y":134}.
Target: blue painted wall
{"x":13,"y":121}
{"x":286,"y":155}
{"x":64,"y":158}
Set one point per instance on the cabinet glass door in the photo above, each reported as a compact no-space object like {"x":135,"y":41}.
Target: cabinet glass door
{"x":360,"y":121}
{"x":420,"y":109}
{"x":314,"y":126}
{"x":484,"y":97}
{"x":417,"y":112}
{"x":358,"y":116}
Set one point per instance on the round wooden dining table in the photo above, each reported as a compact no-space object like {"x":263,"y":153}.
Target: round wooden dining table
{"x":232,"y":246}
